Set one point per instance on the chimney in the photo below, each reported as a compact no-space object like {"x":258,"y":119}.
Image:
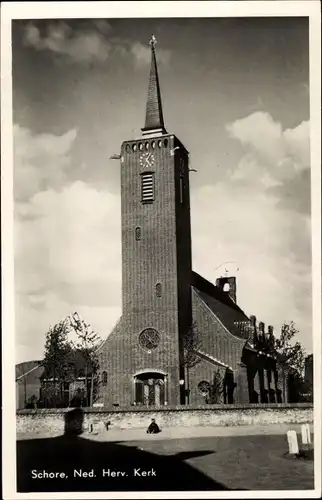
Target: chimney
{"x":253,"y":321}
{"x":253,"y":327}
{"x":270,"y":335}
{"x":261,"y":330}
{"x":228,"y":285}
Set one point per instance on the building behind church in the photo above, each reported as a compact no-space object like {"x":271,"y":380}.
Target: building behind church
{"x":171,"y":314}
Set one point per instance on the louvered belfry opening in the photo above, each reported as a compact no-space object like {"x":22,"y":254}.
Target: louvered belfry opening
{"x":147,"y":187}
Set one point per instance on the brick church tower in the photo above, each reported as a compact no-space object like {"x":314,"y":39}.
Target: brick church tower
{"x":156,"y":264}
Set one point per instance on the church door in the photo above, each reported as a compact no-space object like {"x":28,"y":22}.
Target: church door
{"x":149,"y":389}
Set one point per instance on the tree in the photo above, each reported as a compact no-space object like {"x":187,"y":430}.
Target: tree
{"x":191,"y":345}
{"x":292,"y":354}
{"x":57,"y":362}
{"x":86,"y":345}
{"x":216,"y":390}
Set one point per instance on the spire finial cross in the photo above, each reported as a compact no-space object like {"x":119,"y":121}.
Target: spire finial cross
{"x":153,"y":41}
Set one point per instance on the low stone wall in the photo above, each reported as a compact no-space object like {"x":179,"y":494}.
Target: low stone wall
{"x":52,"y":421}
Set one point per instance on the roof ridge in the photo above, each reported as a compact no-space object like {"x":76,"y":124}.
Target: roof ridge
{"x":29,"y":371}
{"x":212,"y":359}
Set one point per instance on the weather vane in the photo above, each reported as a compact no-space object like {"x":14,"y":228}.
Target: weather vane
{"x":153,"y":41}
{"x":227,"y":271}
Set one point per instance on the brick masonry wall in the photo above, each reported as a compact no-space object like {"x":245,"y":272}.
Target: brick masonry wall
{"x":203,"y":371}
{"x":51,"y":422}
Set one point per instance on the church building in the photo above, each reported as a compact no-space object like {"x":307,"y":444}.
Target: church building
{"x":179,"y":334}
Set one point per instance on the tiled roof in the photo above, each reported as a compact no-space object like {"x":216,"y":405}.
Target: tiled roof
{"x":26,"y":367}
{"x":226,"y":310}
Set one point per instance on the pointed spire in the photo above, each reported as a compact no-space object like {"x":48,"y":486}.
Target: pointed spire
{"x":154,"y":115}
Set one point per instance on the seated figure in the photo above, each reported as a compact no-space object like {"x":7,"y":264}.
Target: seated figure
{"x":153,"y":428}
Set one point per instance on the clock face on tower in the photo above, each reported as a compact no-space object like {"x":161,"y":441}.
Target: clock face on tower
{"x":146,"y":160}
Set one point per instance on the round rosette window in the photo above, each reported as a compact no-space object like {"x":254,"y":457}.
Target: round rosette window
{"x":204,"y":387}
{"x":149,"y":339}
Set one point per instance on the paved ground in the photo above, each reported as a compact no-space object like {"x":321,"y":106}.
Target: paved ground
{"x":193,"y":432}
{"x":179,"y":432}
{"x":204,"y":458}
{"x":240,"y":462}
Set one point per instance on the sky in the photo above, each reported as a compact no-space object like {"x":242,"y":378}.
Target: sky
{"x":234,"y":91}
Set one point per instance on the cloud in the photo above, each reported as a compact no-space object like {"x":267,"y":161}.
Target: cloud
{"x":269,"y":246}
{"x":68,"y":257}
{"x":276,"y":158}
{"x":260,"y":132}
{"x":40,"y":161}
{"x":67,"y":243}
{"x":258,"y":217}
{"x":297,"y":142}
{"x":90,"y":43}
{"x":79,"y":46}
{"x":294,"y":193}
{"x":69,"y":225}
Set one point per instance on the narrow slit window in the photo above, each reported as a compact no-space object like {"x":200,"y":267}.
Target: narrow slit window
{"x":147,"y":187}
{"x":181,"y":189}
{"x":104,"y":378}
{"x":138,"y":233}
{"x":158,"y":289}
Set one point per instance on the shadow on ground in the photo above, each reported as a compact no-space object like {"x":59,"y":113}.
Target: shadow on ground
{"x":70,"y":452}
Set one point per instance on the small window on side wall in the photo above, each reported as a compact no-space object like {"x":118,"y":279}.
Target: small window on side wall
{"x":158,"y":289}
{"x":104,"y":378}
{"x":181,"y":190}
{"x":138,"y":233}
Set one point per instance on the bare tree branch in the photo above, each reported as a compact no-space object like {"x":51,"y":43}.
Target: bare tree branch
{"x":191,"y":344}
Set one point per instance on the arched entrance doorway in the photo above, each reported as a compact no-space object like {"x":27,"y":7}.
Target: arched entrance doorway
{"x":150,"y":389}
